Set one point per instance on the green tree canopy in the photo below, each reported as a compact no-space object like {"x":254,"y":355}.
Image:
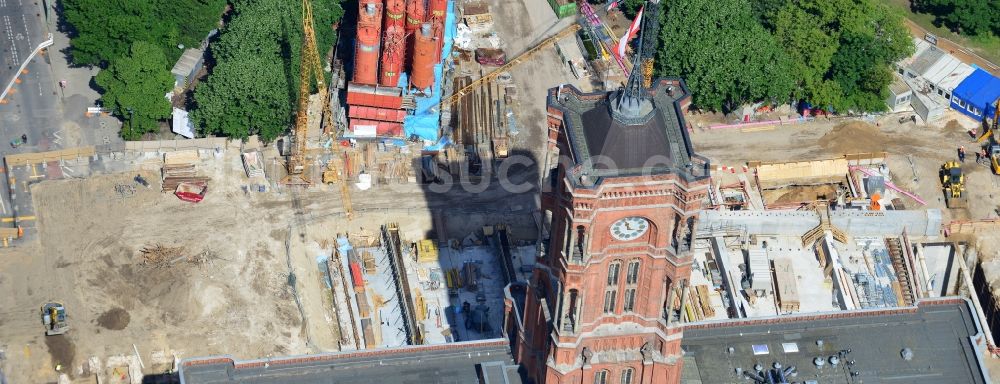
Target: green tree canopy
{"x":134,"y":86}
{"x":841,"y":50}
{"x":102,"y":30}
{"x":724,"y":54}
{"x":630,"y":7}
{"x":972,"y":17}
{"x":253,"y":85}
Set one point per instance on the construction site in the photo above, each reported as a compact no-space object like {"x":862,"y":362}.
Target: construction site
{"x":386,"y":219}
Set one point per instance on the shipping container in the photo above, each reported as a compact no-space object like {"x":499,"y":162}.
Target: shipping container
{"x":563,"y":8}
{"x":356,"y":277}
{"x":372,"y":96}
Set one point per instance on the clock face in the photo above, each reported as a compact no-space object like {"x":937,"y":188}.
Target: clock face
{"x":629,"y":228}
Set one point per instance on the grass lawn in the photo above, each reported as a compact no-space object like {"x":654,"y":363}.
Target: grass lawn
{"x":987,"y":46}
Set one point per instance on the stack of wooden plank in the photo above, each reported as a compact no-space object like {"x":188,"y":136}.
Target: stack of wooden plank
{"x":385,"y":164}
{"x":368,"y":261}
{"x":179,"y":167}
{"x":704,"y":302}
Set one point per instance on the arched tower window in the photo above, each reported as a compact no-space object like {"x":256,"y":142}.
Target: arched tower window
{"x":631,"y":285}
{"x":614,"y":270}
{"x":569,"y":319}
{"x":580,"y":245}
{"x":601,"y":377}
{"x":632,"y":275}
{"x":627,"y":375}
{"x":611,"y":292}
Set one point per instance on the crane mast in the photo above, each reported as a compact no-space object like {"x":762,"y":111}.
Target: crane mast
{"x":310,"y":70}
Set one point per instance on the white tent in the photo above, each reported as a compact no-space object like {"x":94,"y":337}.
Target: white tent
{"x":181,"y":124}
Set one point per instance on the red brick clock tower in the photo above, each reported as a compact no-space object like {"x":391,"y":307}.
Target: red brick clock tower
{"x":620,"y":205}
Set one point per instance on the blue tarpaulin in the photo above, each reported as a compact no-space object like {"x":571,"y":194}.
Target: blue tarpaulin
{"x":426,"y":120}
{"x":343,"y":245}
{"x":976,"y":94}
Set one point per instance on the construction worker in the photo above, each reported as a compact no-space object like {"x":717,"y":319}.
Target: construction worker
{"x":983,"y":156}
{"x":961,"y":153}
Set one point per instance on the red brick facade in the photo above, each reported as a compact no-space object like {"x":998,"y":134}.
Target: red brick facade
{"x":596,"y":308}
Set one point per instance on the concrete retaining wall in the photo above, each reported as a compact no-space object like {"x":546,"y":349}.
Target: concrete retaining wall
{"x":797,"y":223}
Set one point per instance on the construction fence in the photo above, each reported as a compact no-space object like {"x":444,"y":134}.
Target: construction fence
{"x":45,"y":157}
{"x":209,"y":143}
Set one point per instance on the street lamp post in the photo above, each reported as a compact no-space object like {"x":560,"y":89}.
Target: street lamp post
{"x":130,"y":112}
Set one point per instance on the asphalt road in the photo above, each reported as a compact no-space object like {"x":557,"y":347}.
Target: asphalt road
{"x":31,"y":107}
{"x":22,"y":28}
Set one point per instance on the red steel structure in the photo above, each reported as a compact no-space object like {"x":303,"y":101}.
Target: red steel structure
{"x":373,"y":96}
{"x":415,"y":13}
{"x":438,"y":12}
{"x":395,"y":12}
{"x":367,"y":50}
{"x":375,"y":113}
{"x":393,"y":53}
{"x":424,"y":57}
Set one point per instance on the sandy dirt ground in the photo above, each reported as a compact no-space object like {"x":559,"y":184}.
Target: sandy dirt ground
{"x":227,"y":292}
{"x":927,"y":146}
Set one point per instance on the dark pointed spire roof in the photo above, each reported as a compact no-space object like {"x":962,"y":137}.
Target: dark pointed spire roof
{"x":632,"y":104}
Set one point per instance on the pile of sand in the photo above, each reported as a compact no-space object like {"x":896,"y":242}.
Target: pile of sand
{"x":854,"y":137}
{"x":115,"y":319}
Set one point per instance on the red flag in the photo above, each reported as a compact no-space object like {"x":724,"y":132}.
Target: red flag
{"x":613,"y":5}
{"x":632,"y":31}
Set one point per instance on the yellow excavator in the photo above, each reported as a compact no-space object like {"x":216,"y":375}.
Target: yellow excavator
{"x":990,"y":132}
{"x":954,"y":185}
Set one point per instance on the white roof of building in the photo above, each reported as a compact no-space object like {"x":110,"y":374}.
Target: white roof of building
{"x":921,"y":46}
{"x":760,"y":269}
{"x":948,"y":72}
{"x":181,"y":124}
{"x":898,"y":87}
{"x":936,"y":66}
{"x":187,"y":62}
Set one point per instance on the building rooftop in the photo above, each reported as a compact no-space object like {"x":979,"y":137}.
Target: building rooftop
{"x":934,"y":342}
{"x":926,"y":59}
{"x":487,"y":361}
{"x":608,"y":142}
{"x":187,"y":62}
{"x":898,"y":86}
